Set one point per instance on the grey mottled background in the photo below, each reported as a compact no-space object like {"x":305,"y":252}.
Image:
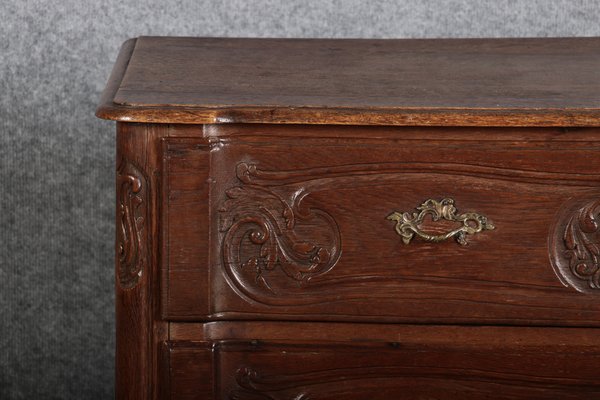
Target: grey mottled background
{"x":56,"y":159}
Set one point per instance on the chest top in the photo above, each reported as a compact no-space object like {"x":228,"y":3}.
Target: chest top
{"x":433,"y":82}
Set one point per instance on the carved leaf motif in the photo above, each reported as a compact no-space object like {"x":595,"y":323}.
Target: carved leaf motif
{"x":271,"y":247}
{"x":581,"y":240}
{"x":131,"y":220}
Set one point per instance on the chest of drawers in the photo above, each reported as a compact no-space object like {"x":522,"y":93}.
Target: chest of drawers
{"x":357,"y":219}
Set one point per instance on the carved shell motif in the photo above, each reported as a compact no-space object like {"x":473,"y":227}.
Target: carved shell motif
{"x":575,"y":246}
{"x":272,"y":245}
{"x":131,"y":219}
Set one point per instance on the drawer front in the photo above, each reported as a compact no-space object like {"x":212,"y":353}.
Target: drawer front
{"x":477,"y":227}
{"x":421,"y":363}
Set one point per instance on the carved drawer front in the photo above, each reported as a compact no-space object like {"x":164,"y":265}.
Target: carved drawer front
{"x":464,"y":226}
{"x":536,"y":364}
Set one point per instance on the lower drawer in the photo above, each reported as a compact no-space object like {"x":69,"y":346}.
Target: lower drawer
{"x":320,"y":361}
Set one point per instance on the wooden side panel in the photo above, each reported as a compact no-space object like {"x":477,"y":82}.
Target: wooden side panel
{"x":191,"y":371}
{"x":186,"y":220}
{"x":140,"y":331}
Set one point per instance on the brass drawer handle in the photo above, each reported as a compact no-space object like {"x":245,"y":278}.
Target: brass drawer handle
{"x":407,"y":224}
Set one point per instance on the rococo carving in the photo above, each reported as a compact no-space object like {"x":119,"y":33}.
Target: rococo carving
{"x":250,"y":384}
{"x":575,"y":246}
{"x":251,"y":387}
{"x":132,"y":209}
{"x":273,"y":245}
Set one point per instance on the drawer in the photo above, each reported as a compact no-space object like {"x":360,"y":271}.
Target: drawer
{"x":411,"y":362}
{"x":382,"y":224}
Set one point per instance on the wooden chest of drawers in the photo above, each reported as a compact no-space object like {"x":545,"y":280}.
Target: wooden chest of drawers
{"x":357,"y":219}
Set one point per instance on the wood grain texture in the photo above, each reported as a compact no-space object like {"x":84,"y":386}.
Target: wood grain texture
{"x":299,"y":228}
{"x":191,"y":371}
{"x":301,"y":331}
{"x":132,"y":220}
{"x":354,"y":361}
{"x":255,"y":259}
{"x":140,"y":332}
{"x":574,"y":245}
{"x":453,"y":82}
{"x":183,"y":195}
{"x":106,"y":107}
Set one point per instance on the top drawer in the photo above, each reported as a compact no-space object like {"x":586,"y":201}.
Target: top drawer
{"x":382,"y":224}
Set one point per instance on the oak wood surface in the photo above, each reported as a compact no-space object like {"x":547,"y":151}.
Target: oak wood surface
{"x":140,"y":330}
{"x":299,"y":331}
{"x":460,"y":82}
{"x":366,"y":361}
{"x":348,"y":187}
{"x":106,"y":106}
{"x":189,"y":371}
{"x":254,"y":259}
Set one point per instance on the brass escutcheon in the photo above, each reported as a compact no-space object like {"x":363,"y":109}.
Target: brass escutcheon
{"x":407,"y":224}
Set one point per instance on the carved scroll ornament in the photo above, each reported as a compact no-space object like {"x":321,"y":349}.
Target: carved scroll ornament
{"x":273,"y":245}
{"x":575,"y":246}
{"x":132,"y":246}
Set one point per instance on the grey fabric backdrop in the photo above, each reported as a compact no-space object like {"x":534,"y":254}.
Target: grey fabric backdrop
{"x":56,"y":159}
